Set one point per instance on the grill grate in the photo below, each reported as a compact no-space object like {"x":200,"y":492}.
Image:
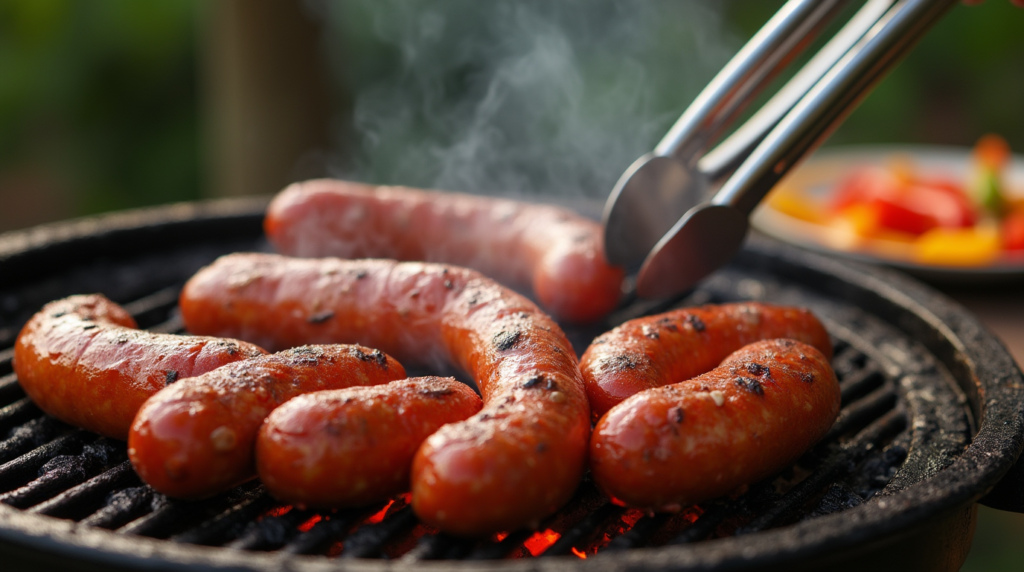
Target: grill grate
{"x":52,"y":469}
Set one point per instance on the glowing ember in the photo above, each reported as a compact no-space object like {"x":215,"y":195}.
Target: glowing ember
{"x":379,"y":515}
{"x":309,"y":523}
{"x":579,"y":554}
{"x":500,"y":536}
{"x":630,"y":517}
{"x":541,"y":541}
{"x":692,"y":513}
{"x":279,"y":511}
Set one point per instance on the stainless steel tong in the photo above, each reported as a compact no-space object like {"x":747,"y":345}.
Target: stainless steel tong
{"x":661,"y":217}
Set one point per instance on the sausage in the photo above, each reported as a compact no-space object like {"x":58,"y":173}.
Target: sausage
{"x":510,"y":465}
{"x":557,"y":252}
{"x":673,"y":446}
{"x":82,"y":360}
{"x":351,"y":447}
{"x":196,"y":438}
{"x":675,"y":346}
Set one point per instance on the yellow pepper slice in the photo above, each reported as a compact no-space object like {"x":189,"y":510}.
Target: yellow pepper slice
{"x":976,"y":246}
{"x":794,"y":202}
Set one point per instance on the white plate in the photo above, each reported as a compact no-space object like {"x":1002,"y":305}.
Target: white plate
{"x":821,"y":172}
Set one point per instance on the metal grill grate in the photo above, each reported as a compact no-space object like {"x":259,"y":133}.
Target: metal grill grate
{"x":49,"y":468}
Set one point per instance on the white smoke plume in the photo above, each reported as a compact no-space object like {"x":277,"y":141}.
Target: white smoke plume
{"x":523,"y":97}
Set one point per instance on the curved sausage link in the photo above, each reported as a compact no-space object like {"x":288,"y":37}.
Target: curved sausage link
{"x":82,"y":360}
{"x":557,"y":252}
{"x":351,"y":447}
{"x":672,"y":446}
{"x":674,"y":346}
{"x":196,"y":438}
{"x":516,"y":461}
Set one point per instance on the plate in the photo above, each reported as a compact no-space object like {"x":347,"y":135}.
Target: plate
{"x":819,"y":175}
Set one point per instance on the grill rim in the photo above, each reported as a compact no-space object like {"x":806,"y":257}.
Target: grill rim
{"x":971,"y":353}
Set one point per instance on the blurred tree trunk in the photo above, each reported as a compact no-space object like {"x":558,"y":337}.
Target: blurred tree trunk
{"x":266,"y":92}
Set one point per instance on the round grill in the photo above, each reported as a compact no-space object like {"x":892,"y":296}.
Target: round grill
{"x":930,"y":423}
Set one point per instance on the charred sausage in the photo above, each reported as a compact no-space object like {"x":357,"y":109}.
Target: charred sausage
{"x":351,"y":447}
{"x":555,"y":251}
{"x":196,"y":438}
{"x":82,"y":360}
{"x":672,"y":446}
{"x":675,"y":346}
{"x":513,"y":463}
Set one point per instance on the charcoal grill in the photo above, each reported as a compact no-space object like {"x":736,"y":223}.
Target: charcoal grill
{"x":932,"y":421}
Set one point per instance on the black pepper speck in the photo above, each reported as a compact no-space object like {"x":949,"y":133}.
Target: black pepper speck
{"x":676,"y":414}
{"x":533,"y":381}
{"x":320,"y":317}
{"x":758,"y":369}
{"x":751,"y":385}
{"x":696,"y":323}
{"x":505,"y":340}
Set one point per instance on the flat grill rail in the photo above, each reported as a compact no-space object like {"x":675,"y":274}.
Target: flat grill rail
{"x":49,"y":468}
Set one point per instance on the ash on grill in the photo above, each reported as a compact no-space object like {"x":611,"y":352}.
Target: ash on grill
{"x":56,"y":470}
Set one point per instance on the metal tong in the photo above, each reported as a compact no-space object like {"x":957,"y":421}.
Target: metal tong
{"x":661,"y":216}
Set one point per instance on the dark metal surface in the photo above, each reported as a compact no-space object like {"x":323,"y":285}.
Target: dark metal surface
{"x":931,"y":420}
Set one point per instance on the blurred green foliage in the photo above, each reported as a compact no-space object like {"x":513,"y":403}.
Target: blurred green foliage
{"x":964,"y":79}
{"x":99,"y":103}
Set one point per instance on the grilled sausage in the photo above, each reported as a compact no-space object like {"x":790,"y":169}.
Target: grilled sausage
{"x":513,"y":463}
{"x":672,"y":446}
{"x":675,"y":346}
{"x":351,"y":447}
{"x":557,"y":252}
{"x":196,"y":438}
{"x":82,"y":360}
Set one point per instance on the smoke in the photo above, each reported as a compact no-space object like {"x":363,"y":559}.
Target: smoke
{"x":523,"y":97}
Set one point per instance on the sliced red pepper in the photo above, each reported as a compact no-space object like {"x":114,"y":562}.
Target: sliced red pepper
{"x":895,"y":216}
{"x":1013,"y":231}
{"x":914,"y":207}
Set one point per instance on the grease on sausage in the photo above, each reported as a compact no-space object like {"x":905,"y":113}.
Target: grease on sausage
{"x":557,"y":252}
{"x":351,"y":447}
{"x":672,"y":446}
{"x":82,"y":360}
{"x":196,"y":437}
{"x":674,"y":346}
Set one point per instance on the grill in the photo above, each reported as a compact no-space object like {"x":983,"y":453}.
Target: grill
{"x":931,"y":422}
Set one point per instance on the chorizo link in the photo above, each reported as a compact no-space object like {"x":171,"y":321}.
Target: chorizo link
{"x":557,"y":252}
{"x":672,"y":446}
{"x":196,"y":438}
{"x":674,"y":346}
{"x":351,"y":447}
{"x":82,"y":360}
{"x":510,"y":465}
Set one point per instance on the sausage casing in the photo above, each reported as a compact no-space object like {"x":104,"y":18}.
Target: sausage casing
{"x":196,"y":438}
{"x":672,"y":446}
{"x":82,"y":360}
{"x":557,"y":252}
{"x":510,"y":465}
{"x":674,"y":346}
{"x":351,"y":447}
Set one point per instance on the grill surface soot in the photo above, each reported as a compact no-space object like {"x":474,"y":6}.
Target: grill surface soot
{"x":910,"y":408}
